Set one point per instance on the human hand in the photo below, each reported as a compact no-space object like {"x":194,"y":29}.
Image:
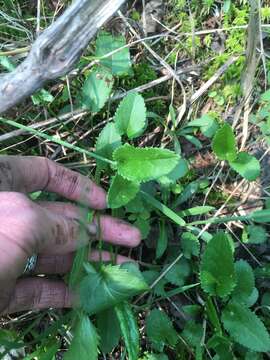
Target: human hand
{"x":48,"y":229}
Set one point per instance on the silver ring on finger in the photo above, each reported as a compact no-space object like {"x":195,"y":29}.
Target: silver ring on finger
{"x":30,"y":264}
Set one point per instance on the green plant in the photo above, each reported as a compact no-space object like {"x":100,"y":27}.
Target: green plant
{"x":200,"y":292}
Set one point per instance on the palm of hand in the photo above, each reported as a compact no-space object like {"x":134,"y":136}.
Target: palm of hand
{"x":49,"y":229}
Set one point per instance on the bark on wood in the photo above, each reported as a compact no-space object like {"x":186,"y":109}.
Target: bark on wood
{"x":56,"y":50}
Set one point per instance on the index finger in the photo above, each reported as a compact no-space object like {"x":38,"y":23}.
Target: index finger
{"x":32,"y":173}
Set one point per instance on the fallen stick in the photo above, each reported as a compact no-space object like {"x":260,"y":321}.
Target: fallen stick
{"x":56,"y":50}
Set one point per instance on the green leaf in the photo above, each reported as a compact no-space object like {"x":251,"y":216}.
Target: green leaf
{"x":256,"y":234}
{"x":108,"y":330}
{"x":144,"y":226}
{"x":245,"y":281}
{"x":108,"y":140}
{"x":96,"y":89}
{"x":227,"y":6}
{"x":178,"y":172}
{"x":224,"y":143}
{"x":162,"y":240}
{"x":215,"y":279}
{"x":192,"y":310}
{"x":119,"y":63}
{"x":247,"y":166}
{"x":159,"y":330}
{"x":85,"y":341}
{"x":129,"y":329}
{"x":190,"y":245}
{"x":261,"y":216}
{"x":150,"y":276}
{"x":253,"y":298}
{"x":6,"y":63}
{"x":191,"y":189}
{"x":222,"y":346}
{"x":42,"y":96}
{"x":121,"y":192}
{"x":130,"y":117}
{"x":245,"y":327}
{"x":212,"y":315}
{"x":265,"y":303}
{"x":163,"y":208}
{"x":207,"y":124}
{"x":108,"y":287}
{"x":195,"y":141}
{"x":263,"y":272}
{"x":195,"y":211}
{"x":266,"y":96}
{"x":155,"y":357}
{"x":144,"y":164}
{"x":251,"y":355}
{"x":193,"y":333}
{"x":178,"y":273}
{"x":77,"y":271}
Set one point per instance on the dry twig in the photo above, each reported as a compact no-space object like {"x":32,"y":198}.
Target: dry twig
{"x":56,"y":50}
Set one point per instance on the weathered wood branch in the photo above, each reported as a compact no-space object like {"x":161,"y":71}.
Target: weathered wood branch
{"x":56,"y":50}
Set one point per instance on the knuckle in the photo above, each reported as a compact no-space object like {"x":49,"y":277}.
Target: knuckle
{"x":62,"y":179}
{"x":65,"y":231}
{"x":6,"y":174}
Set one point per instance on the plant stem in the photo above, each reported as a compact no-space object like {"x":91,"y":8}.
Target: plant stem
{"x":164,"y":209}
{"x":221,"y":220}
{"x":55,"y":140}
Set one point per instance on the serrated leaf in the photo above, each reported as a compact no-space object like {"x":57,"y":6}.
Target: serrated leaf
{"x":108,"y":329}
{"x":215,"y":279}
{"x":150,"y":276}
{"x":107,"y":141}
{"x":144,"y":164}
{"x":178,"y":273}
{"x":246,"y":165}
{"x":119,"y":63}
{"x":245,"y":327}
{"x":224,"y":143}
{"x":121,"y":192}
{"x":256,"y":234}
{"x":245,"y":281}
{"x":190,"y":245}
{"x":85,"y":341}
{"x":129,"y":328}
{"x":96,"y":89}
{"x":108,"y":287}
{"x":130,"y":117}
{"x":159,"y":330}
